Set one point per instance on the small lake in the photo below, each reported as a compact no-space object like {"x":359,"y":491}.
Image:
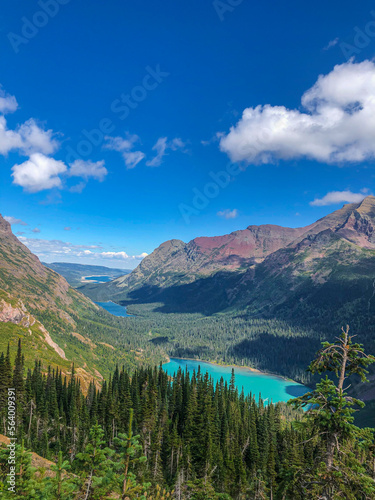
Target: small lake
{"x":97,"y":279}
{"x":114,"y":309}
{"x":269,"y":386}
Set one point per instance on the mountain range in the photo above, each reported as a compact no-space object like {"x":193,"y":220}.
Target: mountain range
{"x":239,"y":297}
{"x":261,"y":269}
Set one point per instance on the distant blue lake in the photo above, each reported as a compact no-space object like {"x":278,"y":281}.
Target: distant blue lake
{"x":98,"y":279}
{"x":270,"y":387}
{"x":114,"y":309}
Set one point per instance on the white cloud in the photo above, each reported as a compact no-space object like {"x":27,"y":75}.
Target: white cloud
{"x":44,"y":248}
{"x":125,"y":146}
{"x":14,"y":221}
{"x":67,"y":228}
{"x":228,"y":214}
{"x":9,"y":139}
{"x":42,"y":172}
{"x":86,"y":169}
{"x":132,"y":158}
{"x":8,"y":103}
{"x":336,"y":197}
{"x":122,"y":256}
{"x":35,"y":139}
{"x":36,"y":230}
{"x":57,"y":250}
{"x":28,"y":138}
{"x":38,"y":173}
{"x":337,"y":126}
{"x":115,"y":255}
{"x":161,"y":147}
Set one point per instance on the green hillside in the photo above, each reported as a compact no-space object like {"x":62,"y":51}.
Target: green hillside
{"x":59,"y":325}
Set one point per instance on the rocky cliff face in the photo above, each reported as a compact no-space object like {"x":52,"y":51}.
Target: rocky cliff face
{"x":13,"y":314}
{"x":240,"y":248}
{"x":23,"y":275}
{"x":338,"y":253}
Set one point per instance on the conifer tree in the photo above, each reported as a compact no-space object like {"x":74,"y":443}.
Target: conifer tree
{"x":330,"y":417}
{"x":127,"y":457}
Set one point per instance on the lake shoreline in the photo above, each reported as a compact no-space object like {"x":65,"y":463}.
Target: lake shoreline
{"x":270,"y":387}
{"x":245,"y":368}
{"x":114,"y":309}
{"x":86,"y":279}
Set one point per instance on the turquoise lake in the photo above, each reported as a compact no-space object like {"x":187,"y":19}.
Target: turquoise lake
{"x":114,"y":309}
{"x":270,"y":387}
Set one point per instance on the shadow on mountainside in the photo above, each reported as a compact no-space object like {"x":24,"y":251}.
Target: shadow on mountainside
{"x":205,"y":295}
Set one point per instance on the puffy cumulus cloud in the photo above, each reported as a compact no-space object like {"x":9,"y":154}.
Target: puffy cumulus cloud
{"x":142,"y":255}
{"x":26,"y":139}
{"x":42,"y":172}
{"x":13,"y":221}
{"x":35,"y":139}
{"x":125,"y":146}
{"x":228,"y":214}
{"x":335,"y":197}
{"x":161,"y":146}
{"x":337,"y":126}
{"x":38,"y":173}
{"x":86,"y":169}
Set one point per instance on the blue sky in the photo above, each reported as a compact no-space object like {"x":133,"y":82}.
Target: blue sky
{"x":165,"y":83}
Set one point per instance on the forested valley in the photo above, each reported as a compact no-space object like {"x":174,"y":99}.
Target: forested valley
{"x":147,"y":435}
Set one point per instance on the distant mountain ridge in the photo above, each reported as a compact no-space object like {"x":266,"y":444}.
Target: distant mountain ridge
{"x":73,"y":273}
{"x":175,"y":262}
{"x":259,"y":269}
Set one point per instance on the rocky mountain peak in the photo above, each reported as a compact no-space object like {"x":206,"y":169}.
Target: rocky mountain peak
{"x":367,"y":206}
{"x":5,"y":226}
